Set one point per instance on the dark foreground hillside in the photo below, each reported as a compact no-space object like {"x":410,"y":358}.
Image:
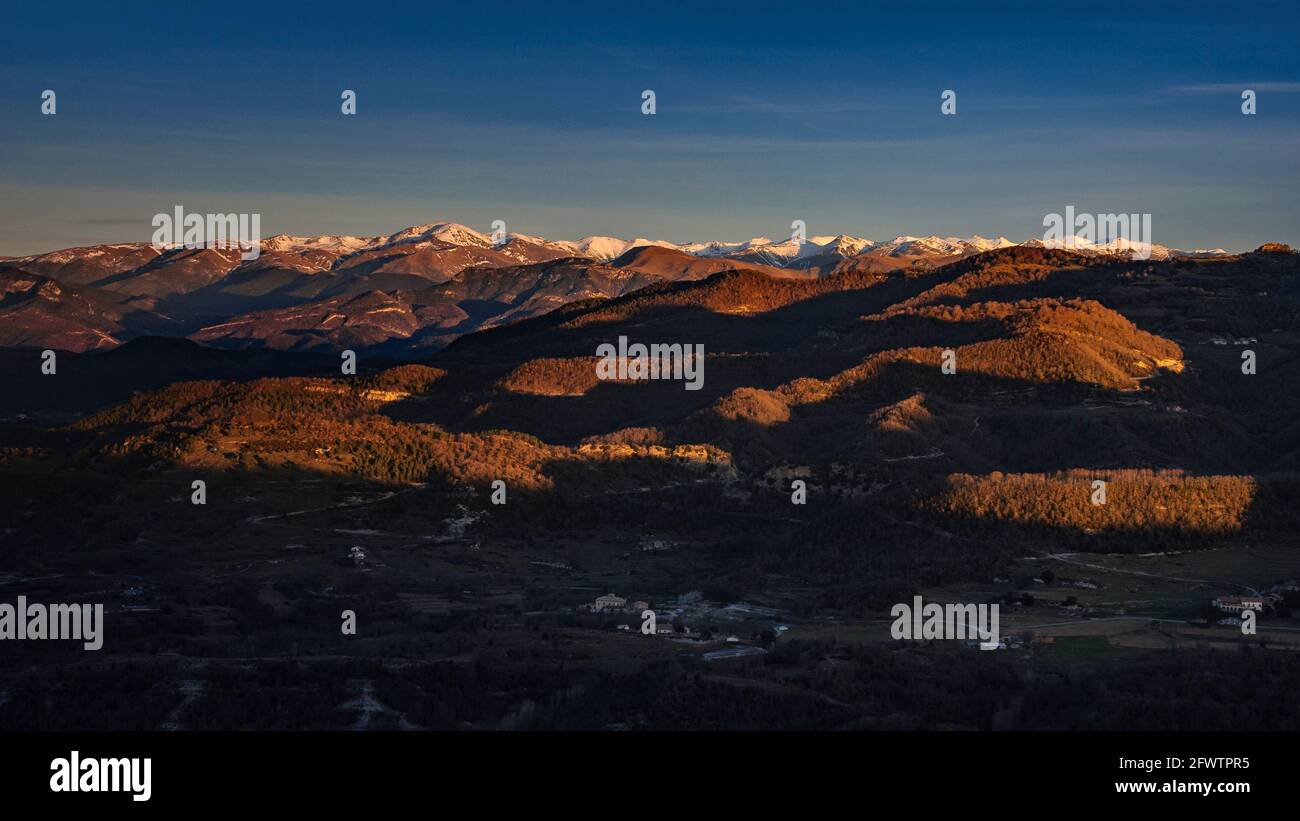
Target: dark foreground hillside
{"x":975,"y":482}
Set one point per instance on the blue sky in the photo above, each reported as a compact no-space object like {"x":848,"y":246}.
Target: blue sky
{"x":765,"y":114}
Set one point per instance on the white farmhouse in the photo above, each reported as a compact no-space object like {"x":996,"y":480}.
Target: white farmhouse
{"x":609,"y":602}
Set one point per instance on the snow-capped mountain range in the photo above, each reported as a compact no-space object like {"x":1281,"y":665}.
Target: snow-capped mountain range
{"x":415,"y":289}
{"x":436,"y":252}
{"x":757,"y":249}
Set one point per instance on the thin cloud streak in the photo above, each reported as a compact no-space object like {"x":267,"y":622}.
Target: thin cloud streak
{"x":1237,"y":88}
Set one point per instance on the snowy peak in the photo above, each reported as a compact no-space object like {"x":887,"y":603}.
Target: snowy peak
{"x":607,"y":248}
{"x":843,"y":245}
{"x":452,"y":233}
{"x":715,"y":248}
{"x":1117,"y":247}
{"x":329,"y":243}
{"x":940,"y":246}
{"x":449,"y":232}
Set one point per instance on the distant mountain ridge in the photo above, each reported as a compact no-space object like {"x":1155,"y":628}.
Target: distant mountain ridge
{"x":443,"y":279}
{"x":525,"y":248}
